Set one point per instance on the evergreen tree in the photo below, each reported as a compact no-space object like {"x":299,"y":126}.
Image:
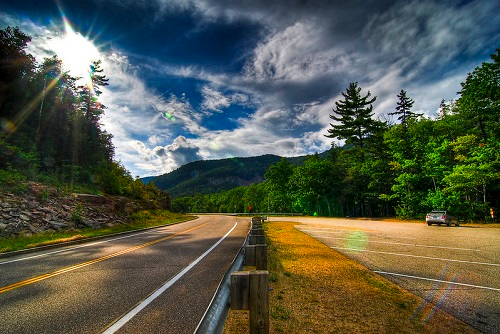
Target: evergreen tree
{"x":354,"y":117}
{"x":95,"y":143}
{"x":403,"y":110}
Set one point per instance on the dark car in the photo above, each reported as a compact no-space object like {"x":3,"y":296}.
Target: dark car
{"x":441,"y":217}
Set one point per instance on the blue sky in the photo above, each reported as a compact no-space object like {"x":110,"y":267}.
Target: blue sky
{"x":194,"y":79}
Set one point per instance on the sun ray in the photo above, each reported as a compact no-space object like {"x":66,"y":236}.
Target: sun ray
{"x":76,"y":52}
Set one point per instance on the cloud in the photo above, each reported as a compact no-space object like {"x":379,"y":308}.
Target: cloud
{"x":294,"y":54}
{"x":425,"y":35}
{"x":214,"y":100}
{"x":162,"y":159}
{"x":288,"y":74}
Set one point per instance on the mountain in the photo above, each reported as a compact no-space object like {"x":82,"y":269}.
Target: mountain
{"x":212,"y":176}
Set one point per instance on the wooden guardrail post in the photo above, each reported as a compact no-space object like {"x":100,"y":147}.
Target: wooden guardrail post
{"x":250,"y":291}
{"x":256,"y":239}
{"x":261,"y":257}
{"x":257,"y":231}
{"x":259,"y":302}
{"x":240,"y":290}
{"x":256,"y":255}
{"x":250,"y":255}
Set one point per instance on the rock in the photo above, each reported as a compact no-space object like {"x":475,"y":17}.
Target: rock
{"x":90,"y":223}
{"x":38,"y":210}
{"x":58,"y":225}
{"x":36,"y":229}
{"x":24,"y":217}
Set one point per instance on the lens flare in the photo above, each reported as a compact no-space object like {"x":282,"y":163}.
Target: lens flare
{"x":168,"y":116}
{"x":357,"y":241}
{"x":7,"y":126}
{"x":214,"y":146}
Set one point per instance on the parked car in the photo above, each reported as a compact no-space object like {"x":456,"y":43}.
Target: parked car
{"x":441,"y":217}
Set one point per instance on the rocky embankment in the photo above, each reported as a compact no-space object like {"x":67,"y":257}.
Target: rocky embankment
{"x":43,"y":209}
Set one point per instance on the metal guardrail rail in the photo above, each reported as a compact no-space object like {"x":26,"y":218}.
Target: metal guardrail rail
{"x":215,"y":316}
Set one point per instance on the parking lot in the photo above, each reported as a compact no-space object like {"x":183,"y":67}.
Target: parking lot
{"x":454,"y":268}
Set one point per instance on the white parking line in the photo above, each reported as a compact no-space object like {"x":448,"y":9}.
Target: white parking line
{"x":436,"y":280}
{"x":402,"y":244}
{"x":418,"y":256}
{"x":127,"y":317}
{"x":320,"y":230}
{"x":343,"y":230}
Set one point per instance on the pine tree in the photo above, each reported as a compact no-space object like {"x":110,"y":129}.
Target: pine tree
{"x":354,"y":115}
{"x":403,"y":110}
{"x":95,"y":142}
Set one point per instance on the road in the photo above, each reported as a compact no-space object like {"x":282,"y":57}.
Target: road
{"x":455,"y":268}
{"x":103,"y":286}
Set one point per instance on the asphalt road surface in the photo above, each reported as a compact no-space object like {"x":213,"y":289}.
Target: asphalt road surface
{"x":454,"y":268}
{"x":156,"y":281}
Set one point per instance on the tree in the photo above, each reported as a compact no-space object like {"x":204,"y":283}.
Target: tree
{"x":95,"y":142}
{"x":479,"y":102}
{"x":277,"y":179}
{"x":311,"y":183}
{"x":403,"y":110}
{"x":476,"y":175}
{"x":354,"y":119}
{"x":16,"y":70}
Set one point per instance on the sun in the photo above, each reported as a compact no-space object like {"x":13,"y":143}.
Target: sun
{"x":76,"y":52}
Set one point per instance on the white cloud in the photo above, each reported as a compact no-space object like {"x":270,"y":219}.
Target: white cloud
{"x":296,"y":54}
{"x":163,"y":159}
{"x":214,"y":100}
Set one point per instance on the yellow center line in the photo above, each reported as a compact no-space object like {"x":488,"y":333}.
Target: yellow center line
{"x":88,"y":263}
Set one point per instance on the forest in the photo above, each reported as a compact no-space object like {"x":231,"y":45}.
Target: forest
{"x":50,"y":128}
{"x":403,"y":168}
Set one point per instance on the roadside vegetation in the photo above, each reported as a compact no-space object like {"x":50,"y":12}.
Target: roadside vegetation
{"x":318,"y":290}
{"x":50,"y":127}
{"x":139,"y":220}
{"x":405,"y":165}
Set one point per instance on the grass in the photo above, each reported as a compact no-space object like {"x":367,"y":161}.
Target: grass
{"x":139,"y":220}
{"x":318,"y":290}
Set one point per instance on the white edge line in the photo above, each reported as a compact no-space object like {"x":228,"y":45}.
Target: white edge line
{"x":74,"y":247}
{"x":436,"y":280}
{"x":127,"y":317}
{"x":418,"y":256}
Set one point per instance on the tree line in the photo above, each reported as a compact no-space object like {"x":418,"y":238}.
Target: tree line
{"x":50,"y":125}
{"x":404,"y":168}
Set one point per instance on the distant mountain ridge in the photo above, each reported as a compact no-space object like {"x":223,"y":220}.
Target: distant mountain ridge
{"x":212,"y":176}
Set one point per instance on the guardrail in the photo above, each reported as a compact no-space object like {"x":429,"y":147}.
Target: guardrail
{"x":242,"y":290}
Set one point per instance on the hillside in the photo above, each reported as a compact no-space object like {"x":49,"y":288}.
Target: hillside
{"x":211,"y":176}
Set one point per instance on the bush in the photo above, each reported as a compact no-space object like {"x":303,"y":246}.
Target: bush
{"x":12,"y":180}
